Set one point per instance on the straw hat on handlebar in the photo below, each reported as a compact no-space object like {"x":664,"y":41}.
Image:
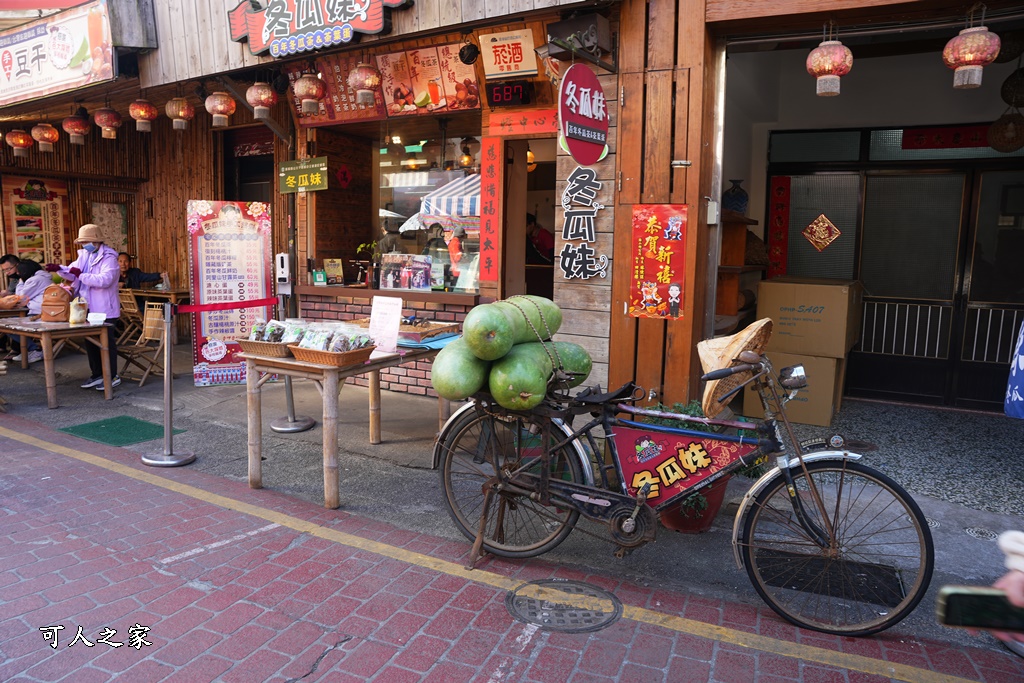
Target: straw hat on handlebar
{"x":721,"y":352}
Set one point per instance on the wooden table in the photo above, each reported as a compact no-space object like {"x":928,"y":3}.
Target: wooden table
{"x":13,"y":312}
{"x":52,"y":336}
{"x":175,"y":296}
{"x":329,"y":380}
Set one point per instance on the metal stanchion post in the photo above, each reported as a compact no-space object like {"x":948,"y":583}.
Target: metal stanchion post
{"x":168,"y":458}
{"x":290,"y":424}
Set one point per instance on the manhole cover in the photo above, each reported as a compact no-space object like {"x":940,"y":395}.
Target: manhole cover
{"x":983,"y":534}
{"x":563,"y":605}
{"x":932,"y":523}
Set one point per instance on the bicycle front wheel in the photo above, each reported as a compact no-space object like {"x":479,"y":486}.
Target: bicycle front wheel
{"x":480,"y":452}
{"x":874,"y":572}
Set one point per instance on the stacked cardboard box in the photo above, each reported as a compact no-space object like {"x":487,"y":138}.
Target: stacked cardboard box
{"x":816,"y":323}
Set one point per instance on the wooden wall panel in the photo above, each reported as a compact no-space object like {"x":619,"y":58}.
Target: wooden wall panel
{"x":343,"y":215}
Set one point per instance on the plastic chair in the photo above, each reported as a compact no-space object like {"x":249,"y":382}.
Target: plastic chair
{"x":131,"y":318}
{"x":147,"y":352}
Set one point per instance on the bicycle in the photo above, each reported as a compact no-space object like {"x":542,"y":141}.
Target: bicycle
{"x":828,"y":543}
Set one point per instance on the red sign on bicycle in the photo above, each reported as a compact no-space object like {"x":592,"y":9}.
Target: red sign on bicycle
{"x":671,"y":463}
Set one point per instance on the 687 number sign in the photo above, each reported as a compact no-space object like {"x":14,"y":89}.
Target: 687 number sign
{"x":509,"y":93}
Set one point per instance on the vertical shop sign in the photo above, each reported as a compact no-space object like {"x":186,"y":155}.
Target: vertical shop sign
{"x":658,"y":261}
{"x":64,"y":51}
{"x":285,"y":27}
{"x":229,"y":262}
{"x":492,"y":172}
{"x":508,"y":55}
{"x":34,"y":213}
{"x":778,"y":226}
{"x":583,"y":115}
{"x":578,"y":260}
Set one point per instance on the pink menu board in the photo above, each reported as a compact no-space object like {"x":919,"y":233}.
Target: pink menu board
{"x":427,"y":80}
{"x":229,"y":263}
{"x":339,"y":104}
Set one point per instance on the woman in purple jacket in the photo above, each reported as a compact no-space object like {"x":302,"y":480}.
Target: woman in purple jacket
{"x":94,"y":276}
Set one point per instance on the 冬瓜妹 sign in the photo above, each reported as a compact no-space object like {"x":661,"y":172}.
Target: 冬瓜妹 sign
{"x":305,"y":175}
{"x":583,"y":115}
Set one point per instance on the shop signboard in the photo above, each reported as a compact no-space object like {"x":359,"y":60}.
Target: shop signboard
{"x":492,"y":173}
{"x":286,"y":27}
{"x":658,"y":261}
{"x":35,"y":211}
{"x":55,"y":54}
{"x":578,"y":260}
{"x":508,"y":55}
{"x":583,"y":115}
{"x":339,"y":103}
{"x":427,"y":80}
{"x":230,"y":280}
{"x":530,"y":122}
{"x":304,"y":175}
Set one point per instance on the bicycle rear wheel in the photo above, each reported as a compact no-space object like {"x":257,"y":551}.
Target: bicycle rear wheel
{"x":476,"y":455}
{"x":874,"y":574}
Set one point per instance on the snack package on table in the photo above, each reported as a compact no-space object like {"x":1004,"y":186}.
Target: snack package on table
{"x":273,"y":332}
{"x":293,"y":332}
{"x":256,"y":333}
{"x":317,"y":338}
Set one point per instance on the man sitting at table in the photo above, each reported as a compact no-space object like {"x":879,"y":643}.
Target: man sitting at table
{"x":132,"y":278}
{"x":9,"y":266}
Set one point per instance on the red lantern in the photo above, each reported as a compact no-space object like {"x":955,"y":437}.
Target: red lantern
{"x":365,"y":80}
{"x":261,"y":97}
{"x":144,"y":114}
{"x":827,"y":62}
{"x":220,"y":105}
{"x":46,"y":135}
{"x":76,"y":126}
{"x":180,"y":111}
{"x":109,"y":121}
{"x":968,"y":53}
{"x":19,"y":141}
{"x":310,"y":90}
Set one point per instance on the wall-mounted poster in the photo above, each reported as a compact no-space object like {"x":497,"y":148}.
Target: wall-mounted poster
{"x":427,"y":80}
{"x":229,"y":262}
{"x":405,"y":271}
{"x":339,"y":103}
{"x":113,"y":222}
{"x":35,"y":211}
{"x":658,"y":260}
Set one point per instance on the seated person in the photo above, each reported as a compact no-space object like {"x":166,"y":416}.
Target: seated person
{"x":9,"y":266}
{"x":32,"y":282}
{"x":132,"y":278}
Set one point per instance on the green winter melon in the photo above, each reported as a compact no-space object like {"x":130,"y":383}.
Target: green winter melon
{"x":488,"y":331}
{"x":575,"y":360}
{"x":519,"y":380}
{"x":457,"y":373}
{"x":533,"y":316}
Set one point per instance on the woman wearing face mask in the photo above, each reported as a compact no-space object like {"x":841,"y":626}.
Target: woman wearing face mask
{"x":94,"y":277}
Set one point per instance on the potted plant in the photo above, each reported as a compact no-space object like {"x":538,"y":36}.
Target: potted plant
{"x":373,"y":272}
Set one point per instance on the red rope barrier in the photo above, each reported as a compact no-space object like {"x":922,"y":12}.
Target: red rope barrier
{"x":226,"y":306}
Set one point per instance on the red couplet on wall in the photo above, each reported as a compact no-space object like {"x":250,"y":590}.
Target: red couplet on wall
{"x":492,"y":172}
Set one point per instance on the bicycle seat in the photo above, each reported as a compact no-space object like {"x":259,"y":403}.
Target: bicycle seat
{"x":592,"y":395}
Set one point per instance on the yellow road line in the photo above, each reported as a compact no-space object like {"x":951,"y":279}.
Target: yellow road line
{"x":841,"y":660}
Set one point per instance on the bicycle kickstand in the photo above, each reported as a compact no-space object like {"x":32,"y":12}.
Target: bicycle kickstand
{"x":477,"y":553}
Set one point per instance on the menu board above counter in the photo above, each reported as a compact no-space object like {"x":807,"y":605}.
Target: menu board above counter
{"x":339,"y":103}
{"x":427,"y":80}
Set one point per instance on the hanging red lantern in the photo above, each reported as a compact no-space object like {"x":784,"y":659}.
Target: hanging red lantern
{"x":968,"y":53}
{"x":220,"y":105}
{"x":76,"y":126}
{"x":310,"y":90}
{"x":365,"y":80}
{"x":20,"y":141}
{"x":180,"y":111}
{"x":827,"y":62}
{"x":109,"y":121}
{"x":46,"y":135}
{"x":144,"y":114}
{"x":261,"y":97}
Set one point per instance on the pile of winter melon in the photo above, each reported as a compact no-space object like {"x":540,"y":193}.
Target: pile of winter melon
{"x":505,"y":349}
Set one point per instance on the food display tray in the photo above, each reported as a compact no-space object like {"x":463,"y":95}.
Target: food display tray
{"x":416,"y":333}
{"x":262,"y":348}
{"x":341,"y":360}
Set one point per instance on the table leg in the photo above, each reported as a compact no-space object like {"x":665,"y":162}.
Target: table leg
{"x":253,"y":398}
{"x":374,"y":406}
{"x":24,"y":354}
{"x":51,"y":375}
{"x":108,"y":391}
{"x":330,"y":390}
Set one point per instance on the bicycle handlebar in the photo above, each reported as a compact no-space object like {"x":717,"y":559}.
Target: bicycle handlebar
{"x":727,"y":372}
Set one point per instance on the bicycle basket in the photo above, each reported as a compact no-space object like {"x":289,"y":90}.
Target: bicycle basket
{"x":721,"y":352}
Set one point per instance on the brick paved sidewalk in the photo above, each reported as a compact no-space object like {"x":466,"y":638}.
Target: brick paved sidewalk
{"x":203,"y":579}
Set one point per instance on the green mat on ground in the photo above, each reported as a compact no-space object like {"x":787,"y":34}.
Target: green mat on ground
{"x":119,"y":431}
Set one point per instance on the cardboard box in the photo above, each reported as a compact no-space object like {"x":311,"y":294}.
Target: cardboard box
{"x":818,"y":402}
{"x":811,"y":316}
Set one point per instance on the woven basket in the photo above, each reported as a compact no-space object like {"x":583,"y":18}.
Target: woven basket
{"x":721,"y":352}
{"x":262,"y":348}
{"x":341,"y":360}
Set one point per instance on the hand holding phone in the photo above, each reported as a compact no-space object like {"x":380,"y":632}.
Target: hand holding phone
{"x":979,"y":607}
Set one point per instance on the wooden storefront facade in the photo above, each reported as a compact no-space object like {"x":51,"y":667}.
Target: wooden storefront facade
{"x":665,"y":101}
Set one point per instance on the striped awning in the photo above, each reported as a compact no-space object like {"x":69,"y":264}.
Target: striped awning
{"x":458,"y":198}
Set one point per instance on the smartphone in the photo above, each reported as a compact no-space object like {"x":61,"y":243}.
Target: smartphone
{"x":978,"y":607}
